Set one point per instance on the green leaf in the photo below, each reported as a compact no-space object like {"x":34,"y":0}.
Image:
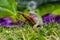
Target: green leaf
{"x":7,"y":8}
{"x":57,"y":11}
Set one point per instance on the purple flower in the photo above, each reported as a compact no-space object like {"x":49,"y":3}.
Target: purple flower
{"x":19,"y":22}
{"x":57,"y":18}
{"x":5,"y":21}
{"x":48,"y":18}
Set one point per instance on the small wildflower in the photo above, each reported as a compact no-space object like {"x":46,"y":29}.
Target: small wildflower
{"x":48,"y":18}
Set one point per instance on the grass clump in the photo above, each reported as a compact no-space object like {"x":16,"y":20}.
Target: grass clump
{"x":49,"y":31}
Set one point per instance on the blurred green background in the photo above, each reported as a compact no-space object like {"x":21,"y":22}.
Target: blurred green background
{"x":43,"y":7}
{"x":26,"y":32}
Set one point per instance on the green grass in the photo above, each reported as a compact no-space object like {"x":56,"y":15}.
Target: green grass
{"x":29,"y":33}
